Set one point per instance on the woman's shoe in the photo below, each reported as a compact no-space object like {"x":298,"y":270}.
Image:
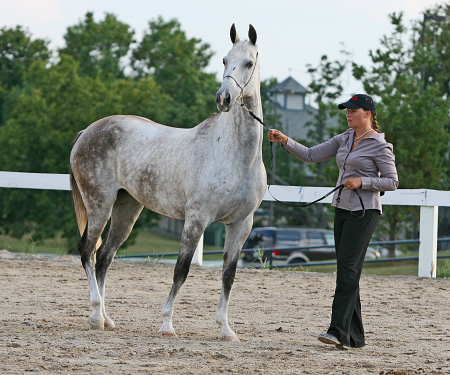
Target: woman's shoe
{"x":342,"y":347}
{"x":326,"y":338}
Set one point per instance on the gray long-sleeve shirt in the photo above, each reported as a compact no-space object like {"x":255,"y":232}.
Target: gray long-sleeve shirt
{"x":372,"y":159}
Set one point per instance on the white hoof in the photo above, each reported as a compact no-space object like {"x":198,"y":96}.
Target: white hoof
{"x":109,"y":324}
{"x":230,"y":337}
{"x":96,"y":323}
{"x":167,"y":334}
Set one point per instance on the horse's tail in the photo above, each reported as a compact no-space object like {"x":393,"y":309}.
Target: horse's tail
{"x":80,"y":208}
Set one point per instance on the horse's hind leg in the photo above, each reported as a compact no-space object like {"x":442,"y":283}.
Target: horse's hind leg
{"x":125,"y":212}
{"x":192,"y":231}
{"x":236,"y":235}
{"x":87,"y":248}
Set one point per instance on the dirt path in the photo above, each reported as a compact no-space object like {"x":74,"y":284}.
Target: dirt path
{"x":44,"y":305}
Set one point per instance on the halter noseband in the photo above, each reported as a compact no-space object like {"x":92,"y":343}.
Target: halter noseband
{"x":241,"y":95}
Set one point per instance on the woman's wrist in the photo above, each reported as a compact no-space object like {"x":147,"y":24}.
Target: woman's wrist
{"x":284,"y":141}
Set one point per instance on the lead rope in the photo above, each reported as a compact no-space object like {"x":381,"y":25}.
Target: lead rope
{"x":250,"y":112}
{"x":340,"y":187}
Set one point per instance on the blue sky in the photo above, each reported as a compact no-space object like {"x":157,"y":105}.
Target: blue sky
{"x":291,"y":33}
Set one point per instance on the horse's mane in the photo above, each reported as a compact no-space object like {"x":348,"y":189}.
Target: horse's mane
{"x":76,"y":138}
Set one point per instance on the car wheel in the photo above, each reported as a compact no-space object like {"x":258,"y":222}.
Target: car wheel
{"x":297,"y":260}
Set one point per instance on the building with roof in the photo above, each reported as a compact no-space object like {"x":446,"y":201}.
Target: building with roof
{"x":292,"y":108}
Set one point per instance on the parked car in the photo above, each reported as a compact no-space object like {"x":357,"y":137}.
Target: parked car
{"x":288,"y":239}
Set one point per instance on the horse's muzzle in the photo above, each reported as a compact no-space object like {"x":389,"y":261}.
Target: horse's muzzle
{"x":223,"y":100}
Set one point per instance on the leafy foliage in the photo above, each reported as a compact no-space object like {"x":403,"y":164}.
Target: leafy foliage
{"x":99,"y":47}
{"x":177,"y":65}
{"x":432,"y":51}
{"x":46,"y":103}
{"x":325,"y":87}
{"x":404,"y":111}
{"x":17,"y":52}
{"x":413,"y":120}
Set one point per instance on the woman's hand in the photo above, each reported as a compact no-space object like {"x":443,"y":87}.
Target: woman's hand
{"x":277,"y":136}
{"x":353,"y":183}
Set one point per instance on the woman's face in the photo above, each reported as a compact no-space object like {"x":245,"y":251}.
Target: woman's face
{"x":357,"y":118}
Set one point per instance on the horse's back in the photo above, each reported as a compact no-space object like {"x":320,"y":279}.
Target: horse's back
{"x":136,"y":154}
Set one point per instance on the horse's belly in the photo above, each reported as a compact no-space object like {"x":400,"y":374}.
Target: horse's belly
{"x":165,"y":200}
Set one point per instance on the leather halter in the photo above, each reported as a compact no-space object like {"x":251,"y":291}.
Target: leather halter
{"x":241,"y":95}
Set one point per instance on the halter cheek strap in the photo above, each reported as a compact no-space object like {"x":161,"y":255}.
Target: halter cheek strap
{"x":241,"y":95}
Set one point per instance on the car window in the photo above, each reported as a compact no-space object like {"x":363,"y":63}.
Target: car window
{"x":287,"y":238}
{"x":315,"y":238}
{"x":329,"y":238}
{"x":260,"y":239}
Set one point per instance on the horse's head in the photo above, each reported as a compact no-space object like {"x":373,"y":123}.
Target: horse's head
{"x":241,"y":74}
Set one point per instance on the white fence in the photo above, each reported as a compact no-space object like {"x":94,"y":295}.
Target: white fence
{"x":428,"y":200}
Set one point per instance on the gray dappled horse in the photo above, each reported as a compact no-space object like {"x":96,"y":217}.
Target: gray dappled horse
{"x":212,"y":172}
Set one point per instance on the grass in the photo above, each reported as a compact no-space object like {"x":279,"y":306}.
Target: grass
{"x":408,"y":267}
{"x":152,"y":242}
{"x":147,"y":242}
{"x":443,"y":269}
{"x":28,"y":245}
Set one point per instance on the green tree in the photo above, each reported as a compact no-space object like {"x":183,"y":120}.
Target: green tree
{"x":288,"y":170}
{"x":17,"y":52}
{"x":413,"y":122}
{"x":99,"y":46}
{"x":435,"y":58}
{"x":178,"y":66}
{"x":42,"y":120}
{"x":325,"y":87}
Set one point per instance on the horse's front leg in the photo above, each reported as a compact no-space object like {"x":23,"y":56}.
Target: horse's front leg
{"x":192,"y":232}
{"x":235,"y":238}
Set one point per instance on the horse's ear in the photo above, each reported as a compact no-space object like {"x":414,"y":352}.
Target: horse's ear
{"x":252,"y":34}
{"x":233,"y":34}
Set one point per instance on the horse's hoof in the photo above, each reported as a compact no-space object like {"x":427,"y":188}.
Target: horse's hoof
{"x":109,"y":324}
{"x":96,"y":324}
{"x":229,"y":338}
{"x":168,"y":335}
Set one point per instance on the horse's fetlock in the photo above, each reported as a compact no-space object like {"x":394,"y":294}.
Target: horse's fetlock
{"x":96,"y":302}
{"x":166,"y":311}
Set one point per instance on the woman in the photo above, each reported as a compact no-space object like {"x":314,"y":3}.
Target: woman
{"x":366,"y":163}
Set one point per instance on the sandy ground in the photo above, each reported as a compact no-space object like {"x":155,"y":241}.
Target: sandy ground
{"x":277,"y":316}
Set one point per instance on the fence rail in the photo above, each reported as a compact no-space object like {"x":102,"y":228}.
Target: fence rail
{"x":428,"y":201}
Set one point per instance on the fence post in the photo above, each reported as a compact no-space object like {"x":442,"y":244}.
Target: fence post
{"x":428,"y":241}
{"x":198,"y":255}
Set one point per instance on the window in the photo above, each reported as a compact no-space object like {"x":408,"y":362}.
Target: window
{"x":294,"y":101}
{"x":315,"y":238}
{"x":279,"y":98}
{"x":287,"y":238}
{"x":260,"y":239}
{"x":329,"y":238}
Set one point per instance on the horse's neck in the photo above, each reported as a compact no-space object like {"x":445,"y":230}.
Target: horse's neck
{"x":241,"y":130}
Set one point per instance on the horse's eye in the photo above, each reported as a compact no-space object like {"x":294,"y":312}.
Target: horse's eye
{"x":249,"y":64}
{"x":223,"y":60}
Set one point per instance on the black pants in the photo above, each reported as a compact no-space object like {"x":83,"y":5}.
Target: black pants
{"x":352,"y":236}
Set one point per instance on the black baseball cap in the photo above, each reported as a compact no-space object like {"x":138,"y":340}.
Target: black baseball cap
{"x":359,"y":101}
